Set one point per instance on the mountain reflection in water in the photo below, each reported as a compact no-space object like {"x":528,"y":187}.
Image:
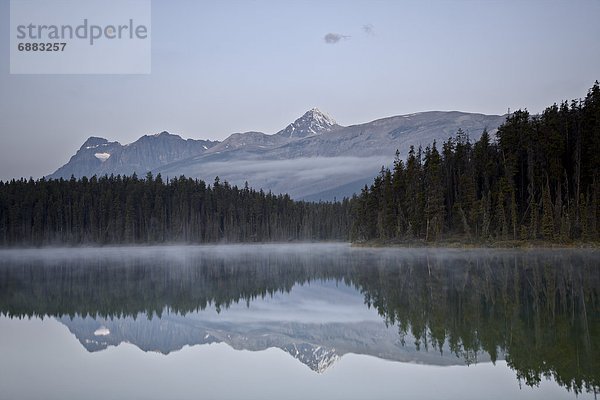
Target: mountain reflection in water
{"x":538,"y":310}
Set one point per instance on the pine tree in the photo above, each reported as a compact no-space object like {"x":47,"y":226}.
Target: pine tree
{"x":547,"y":215}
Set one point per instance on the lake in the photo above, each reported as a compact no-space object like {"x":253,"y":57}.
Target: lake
{"x":299,"y":321}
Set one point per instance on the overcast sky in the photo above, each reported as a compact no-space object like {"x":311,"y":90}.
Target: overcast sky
{"x":220,"y":67}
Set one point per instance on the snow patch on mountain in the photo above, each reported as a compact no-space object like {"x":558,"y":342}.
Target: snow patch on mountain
{"x":102,"y":331}
{"x":102,"y":156}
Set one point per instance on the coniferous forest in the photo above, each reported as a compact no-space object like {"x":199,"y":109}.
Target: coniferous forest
{"x":122,"y":210}
{"x":538,"y":178}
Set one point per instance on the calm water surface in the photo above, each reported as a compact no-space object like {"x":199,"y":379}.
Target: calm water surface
{"x":298,"y":322}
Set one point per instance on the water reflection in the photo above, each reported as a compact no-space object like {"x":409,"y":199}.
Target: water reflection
{"x":316,"y":324}
{"x":537,"y":309}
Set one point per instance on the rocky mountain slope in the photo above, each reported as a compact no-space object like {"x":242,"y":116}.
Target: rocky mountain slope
{"x":318,"y":346}
{"x":313,"y":158}
{"x":98,"y":156}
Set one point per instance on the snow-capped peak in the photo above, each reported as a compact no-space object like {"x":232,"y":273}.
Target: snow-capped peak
{"x":320,"y":117}
{"x":317,"y":358}
{"x":313,"y":122}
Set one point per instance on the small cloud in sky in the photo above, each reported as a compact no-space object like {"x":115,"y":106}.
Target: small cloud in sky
{"x":333,"y":38}
{"x":369,"y":29}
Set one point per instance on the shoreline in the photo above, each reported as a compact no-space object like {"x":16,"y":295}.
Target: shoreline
{"x":458,"y":244}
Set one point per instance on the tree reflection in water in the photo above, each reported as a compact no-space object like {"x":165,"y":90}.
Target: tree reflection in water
{"x":540,"y":308}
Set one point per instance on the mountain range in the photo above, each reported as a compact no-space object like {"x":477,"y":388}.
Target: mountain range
{"x":318,"y":346}
{"x":313,"y":158}
{"x":317,"y":324}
